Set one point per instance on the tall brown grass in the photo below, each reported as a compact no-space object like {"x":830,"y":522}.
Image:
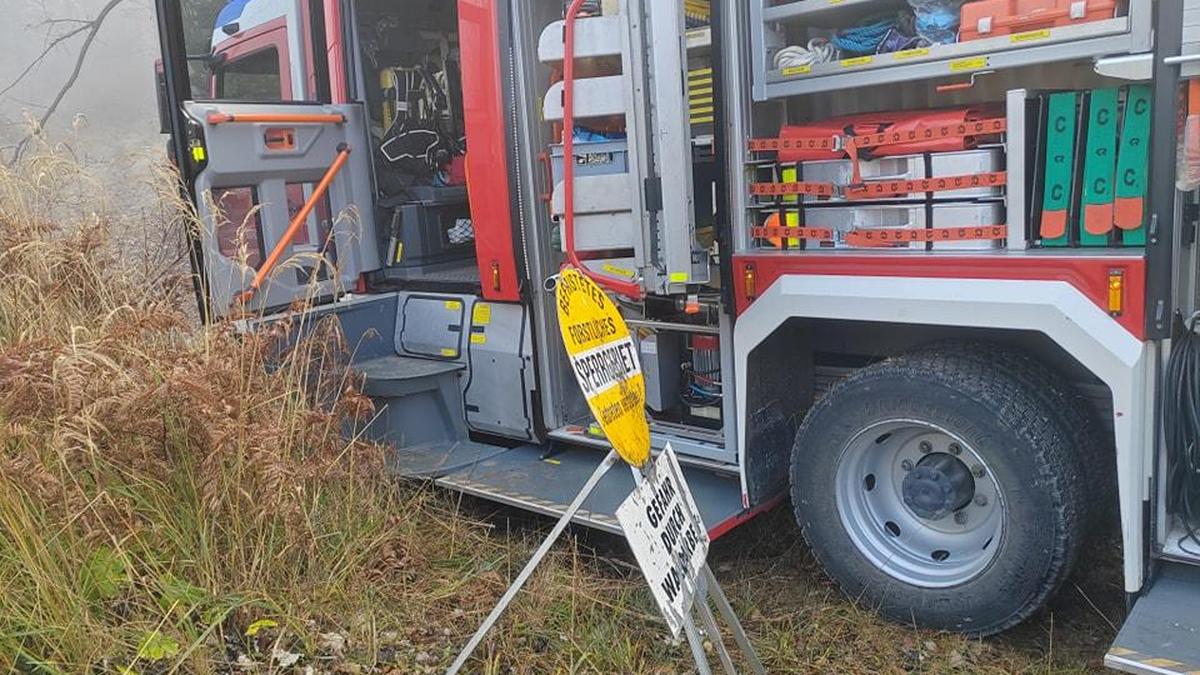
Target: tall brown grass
{"x":160,"y":486}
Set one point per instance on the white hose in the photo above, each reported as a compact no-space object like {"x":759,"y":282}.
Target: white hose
{"x":818,"y":50}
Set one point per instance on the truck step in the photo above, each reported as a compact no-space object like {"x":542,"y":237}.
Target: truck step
{"x":1162,"y":633}
{"x":545,"y":479}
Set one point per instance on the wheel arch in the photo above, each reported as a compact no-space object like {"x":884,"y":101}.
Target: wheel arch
{"x":1045,"y":318}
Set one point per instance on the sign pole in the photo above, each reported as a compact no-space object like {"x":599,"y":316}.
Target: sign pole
{"x":693,"y":638}
{"x":609,"y":460}
{"x":735,"y":626}
{"x":710,"y":625}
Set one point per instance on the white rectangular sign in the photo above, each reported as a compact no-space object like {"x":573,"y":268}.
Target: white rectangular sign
{"x":667,"y":536}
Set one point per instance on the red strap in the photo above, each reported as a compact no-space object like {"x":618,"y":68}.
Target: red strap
{"x":899,"y":235}
{"x":922,"y":133}
{"x":774,"y":231}
{"x":829,"y":143}
{"x":791,"y":188}
{"x":888,"y":188}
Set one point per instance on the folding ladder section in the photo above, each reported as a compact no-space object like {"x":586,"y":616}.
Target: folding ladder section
{"x":633,"y":202}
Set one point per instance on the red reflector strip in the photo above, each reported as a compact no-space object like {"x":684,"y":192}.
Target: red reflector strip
{"x":773,"y":231}
{"x":791,"y":188}
{"x":921,"y":134}
{"x":887,"y":188}
{"x":900,"y":235}
{"x":794,"y":143}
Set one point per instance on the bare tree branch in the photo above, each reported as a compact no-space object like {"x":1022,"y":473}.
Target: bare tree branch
{"x":91,"y":28}
{"x":42,"y":57}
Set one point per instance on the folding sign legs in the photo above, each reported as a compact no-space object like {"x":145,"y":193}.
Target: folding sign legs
{"x":609,"y":460}
{"x":709,"y":589}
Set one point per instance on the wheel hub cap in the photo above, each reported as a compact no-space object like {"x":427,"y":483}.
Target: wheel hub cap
{"x":937,"y":486}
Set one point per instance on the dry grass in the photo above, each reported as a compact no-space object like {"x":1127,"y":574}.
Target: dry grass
{"x":168,"y":503}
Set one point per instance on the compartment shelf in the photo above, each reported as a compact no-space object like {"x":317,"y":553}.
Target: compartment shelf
{"x":1120,"y":35}
{"x":822,"y":9}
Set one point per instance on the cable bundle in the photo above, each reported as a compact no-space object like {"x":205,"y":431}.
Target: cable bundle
{"x":1181,"y":426}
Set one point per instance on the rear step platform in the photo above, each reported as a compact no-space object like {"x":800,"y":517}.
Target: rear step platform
{"x":539,"y":479}
{"x":1162,"y":633}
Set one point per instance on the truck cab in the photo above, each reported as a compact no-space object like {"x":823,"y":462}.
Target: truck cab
{"x":926,"y":287}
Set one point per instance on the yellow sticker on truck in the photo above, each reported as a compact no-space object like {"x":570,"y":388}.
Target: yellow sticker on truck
{"x":605,"y":360}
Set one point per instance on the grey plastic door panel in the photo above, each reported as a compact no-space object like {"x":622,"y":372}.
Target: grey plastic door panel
{"x":257,"y":175}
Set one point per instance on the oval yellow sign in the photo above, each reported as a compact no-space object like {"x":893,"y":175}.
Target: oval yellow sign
{"x":605,"y":361}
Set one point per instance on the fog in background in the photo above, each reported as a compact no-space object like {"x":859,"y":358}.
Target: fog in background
{"x":109,"y":116}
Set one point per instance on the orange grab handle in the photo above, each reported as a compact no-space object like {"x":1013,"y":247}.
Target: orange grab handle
{"x":272,"y":118}
{"x":297,"y":222}
{"x":626,"y":288}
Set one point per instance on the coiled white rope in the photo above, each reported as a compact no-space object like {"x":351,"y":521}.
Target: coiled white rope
{"x":818,"y":50}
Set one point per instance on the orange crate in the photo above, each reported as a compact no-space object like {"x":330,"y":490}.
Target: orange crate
{"x":988,"y":18}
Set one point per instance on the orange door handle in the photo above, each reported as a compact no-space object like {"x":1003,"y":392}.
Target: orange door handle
{"x":273,"y":118}
{"x":294,"y":227}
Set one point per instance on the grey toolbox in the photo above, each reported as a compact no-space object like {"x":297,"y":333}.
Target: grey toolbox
{"x":861,"y":216}
{"x":912,"y":167}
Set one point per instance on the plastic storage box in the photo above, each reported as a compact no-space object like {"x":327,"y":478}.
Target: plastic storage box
{"x":988,"y":18}
{"x":843,"y":219}
{"x":912,"y":167}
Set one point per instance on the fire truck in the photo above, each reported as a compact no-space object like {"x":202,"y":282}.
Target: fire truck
{"x":925,"y":270}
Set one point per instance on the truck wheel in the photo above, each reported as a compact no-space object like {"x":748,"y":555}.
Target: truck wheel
{"x":940,"y":491}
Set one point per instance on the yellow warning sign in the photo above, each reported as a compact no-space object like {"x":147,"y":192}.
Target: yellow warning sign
{"x":605,"y":362}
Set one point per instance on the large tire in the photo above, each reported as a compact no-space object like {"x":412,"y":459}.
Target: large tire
{"x":972,"y":554}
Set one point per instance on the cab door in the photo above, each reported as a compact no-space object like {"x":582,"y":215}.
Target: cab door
{"x":280,"y":177}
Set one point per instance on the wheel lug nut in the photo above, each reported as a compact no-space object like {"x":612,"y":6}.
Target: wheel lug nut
{"x":981,"y":500}
{"x":955,"y":449}
{"x":907,"y":465}
{"x":960,"y":518}
{"x":977,"y":471}
{"x":926,"y":446}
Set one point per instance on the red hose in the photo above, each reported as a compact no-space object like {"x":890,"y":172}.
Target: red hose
{"x":626,"y":288}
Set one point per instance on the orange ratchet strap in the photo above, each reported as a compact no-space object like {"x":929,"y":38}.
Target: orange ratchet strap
{"x":984,"y":127}
{"x":792,"y":188}
{"x":775,"y":231}
{"x":830,"y":143}
{"x":994,"y":125}
{"x":887,"y":188}
{"x":899,"y":235}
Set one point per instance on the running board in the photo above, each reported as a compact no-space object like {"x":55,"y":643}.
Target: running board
{"x":544,"y":479}
{"x":1162,"y":633}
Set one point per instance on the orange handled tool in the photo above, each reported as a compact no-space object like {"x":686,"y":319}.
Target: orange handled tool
{"x":294,"y":227}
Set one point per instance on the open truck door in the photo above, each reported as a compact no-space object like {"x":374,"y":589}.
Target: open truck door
{"x":280,"y":177}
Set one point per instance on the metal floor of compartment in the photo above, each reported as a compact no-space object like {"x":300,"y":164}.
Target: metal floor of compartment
{"x":1162,"y":633}
{"x":545,"y":480}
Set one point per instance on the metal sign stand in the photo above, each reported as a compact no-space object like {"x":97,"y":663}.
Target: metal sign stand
{"x":707,"y":589}
{"x":609,"y":460}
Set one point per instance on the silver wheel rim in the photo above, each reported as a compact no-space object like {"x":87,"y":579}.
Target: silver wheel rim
{"x":905,"y":540}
